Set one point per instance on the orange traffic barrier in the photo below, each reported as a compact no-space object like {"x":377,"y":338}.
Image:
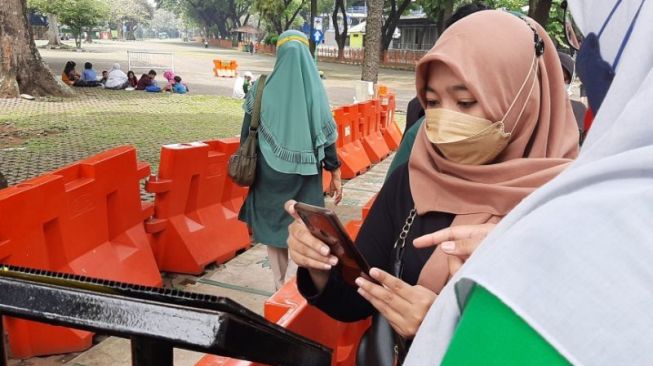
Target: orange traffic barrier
{"x":85,"y":219}
{"x":233,"y":196}
{"x":225,"y":68}
{"x":373,"y":142}
{"x":191,"y":227}
{"x":290,"y":310}
{"x":351,"y":153}
{"x":389,"y":128}
{"x":354,"y":226}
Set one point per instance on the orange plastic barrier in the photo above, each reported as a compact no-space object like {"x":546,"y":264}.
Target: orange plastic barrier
{"x":191,"y":226}
{"x":389,"y":128}
{"x":290,"y":310}
{"x":373,"y":142}
{"x":85,"y":219}
{"x":354,"y":226}
{"x":351,"y":153}
{"x":233,"y":195}
{"x":225,"y":68}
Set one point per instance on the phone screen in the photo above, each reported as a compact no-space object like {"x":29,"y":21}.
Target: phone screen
{"x":324,"y":225}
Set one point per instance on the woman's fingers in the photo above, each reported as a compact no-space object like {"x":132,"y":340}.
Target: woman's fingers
{"x":454,"y":233}
{"x":338,"y":192}
{"x":289,"y":206}
{"x":403,"y":305}
{"x":308,"y":251}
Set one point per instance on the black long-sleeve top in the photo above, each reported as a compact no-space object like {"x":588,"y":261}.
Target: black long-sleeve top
{"x":375,"y":241}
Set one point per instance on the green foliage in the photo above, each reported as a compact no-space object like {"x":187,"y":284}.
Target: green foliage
{"x":511,"y":5}
{"x":133,"y":11}
{"x":555,"y":26}
{"x":217,"y":16}
{"x":281,"y":15}
{"x":271,"y":39}
{"x":79,"y":14}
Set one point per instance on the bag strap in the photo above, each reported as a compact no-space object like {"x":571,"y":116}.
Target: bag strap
{"x":398,"y":249}
{"x":256,"y":113}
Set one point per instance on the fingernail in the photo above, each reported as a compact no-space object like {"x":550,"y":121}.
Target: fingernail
{"x":448,"y":246}
{"x":324,"y":250}
{"x":374,"y":272}
{"x":326,"y":267}
{"x":360,"y":281}
{"x":333,"y":261}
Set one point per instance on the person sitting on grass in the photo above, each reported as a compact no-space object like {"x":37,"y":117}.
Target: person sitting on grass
{"x":105,"y":76}
{"x":89,"y":74}
{"x":146,"y":80}
{"x":169,"y":75}
{"x":117,"y":79}
{"x":132,"y":79}
{"x":179,"y":87}
{"x":71,"y":77}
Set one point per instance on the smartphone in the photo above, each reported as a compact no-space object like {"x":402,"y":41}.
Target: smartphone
{"x":325,"y":225}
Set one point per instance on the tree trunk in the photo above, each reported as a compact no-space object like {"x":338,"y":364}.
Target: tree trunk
{"x":341,"y":38}
{"x":372,"y":41}
{"x":291,"y":20}
{"x":445,"y":13}
{"x":21,"y":69}
{"x":88,"y":38}
{"x":539,"y":10}
{"x":78,"y":34}
{"x":391,"y":22}
{"x":312,"y":24}
{"x":54,"y":39}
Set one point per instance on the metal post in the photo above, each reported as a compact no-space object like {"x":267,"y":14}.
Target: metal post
{"x":3,"y":348}
{"x":148,"y":352}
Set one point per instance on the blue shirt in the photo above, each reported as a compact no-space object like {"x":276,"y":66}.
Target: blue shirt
{"x":89,"y":75}
{"x":179,"y":88}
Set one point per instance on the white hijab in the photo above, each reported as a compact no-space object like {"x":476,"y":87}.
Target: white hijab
{"x":116,"y":77}
{"x":574,"y":259}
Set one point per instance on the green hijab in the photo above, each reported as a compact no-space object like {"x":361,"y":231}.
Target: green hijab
{"x":296,"y":119}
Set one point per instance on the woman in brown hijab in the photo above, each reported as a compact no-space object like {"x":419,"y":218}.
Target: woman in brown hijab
{"x":498,"y":126}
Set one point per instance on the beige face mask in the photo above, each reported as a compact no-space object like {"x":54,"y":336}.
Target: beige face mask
{"x":465,"y":139}
{"x":470,"y":140}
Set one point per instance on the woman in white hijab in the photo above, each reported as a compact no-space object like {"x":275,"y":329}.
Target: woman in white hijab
{"x":568,"y":270}
{"x":117,"y":79}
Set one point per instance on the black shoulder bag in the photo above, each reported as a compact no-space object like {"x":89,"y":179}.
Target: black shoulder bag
{"x":381,"y":345}
{"x":242,"y":164}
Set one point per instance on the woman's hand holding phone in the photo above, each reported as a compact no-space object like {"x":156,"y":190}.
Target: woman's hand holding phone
{"x":308,"y":251}
{"x":403,"y":305}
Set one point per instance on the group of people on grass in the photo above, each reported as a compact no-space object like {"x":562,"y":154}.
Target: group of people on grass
{"x":495,"y":239}
{"x":116,"y":79}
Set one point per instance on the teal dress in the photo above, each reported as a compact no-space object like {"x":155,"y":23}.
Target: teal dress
{"x":403,"y":152}
{"x":296,"y":140}
{"x":263,"y":209}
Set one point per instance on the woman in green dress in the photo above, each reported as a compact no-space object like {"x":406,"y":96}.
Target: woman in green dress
{"x":296,"y":140}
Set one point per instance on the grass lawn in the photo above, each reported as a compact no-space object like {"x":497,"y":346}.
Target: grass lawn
{"x":37,"y":136}
{"x":45,"y":134}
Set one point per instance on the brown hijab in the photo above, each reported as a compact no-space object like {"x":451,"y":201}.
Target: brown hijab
{"x":493,"y":53}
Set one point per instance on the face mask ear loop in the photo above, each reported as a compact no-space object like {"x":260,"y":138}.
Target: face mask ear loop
{"x":534,"y":67}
